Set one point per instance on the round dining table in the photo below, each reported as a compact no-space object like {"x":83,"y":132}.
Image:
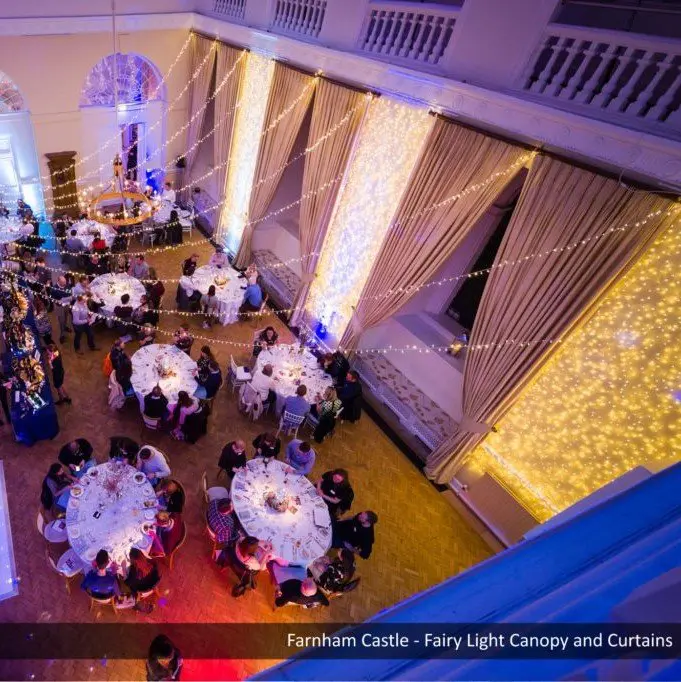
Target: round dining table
{"x":113,"y":507}
{"x":294,"y":365}
{"x":169,"y":367}
{"x":110,"y":287}
{"x":162,"y":214}
{"x":227,"y":289}
{"x":12,"y":229}
{"x":86,"y":230}
{"x":279,"y":506}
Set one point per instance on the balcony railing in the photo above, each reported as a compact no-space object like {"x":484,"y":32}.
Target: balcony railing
{"x":415,"y":33}
{"x":611,"y":73}
{"x":230,"y":8}
{"x":304,"y":17}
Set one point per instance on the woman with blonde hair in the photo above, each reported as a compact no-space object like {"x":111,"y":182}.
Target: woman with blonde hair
{"x":325,"y":411}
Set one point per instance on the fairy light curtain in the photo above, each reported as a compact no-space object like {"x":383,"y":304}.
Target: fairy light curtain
{"x":545,"y":298}
{"x":333,"y":104}
{"x":199,"y":49}
{"x":228,"y":59}
{"x":289,"y":100}
{"x":454,"y":158}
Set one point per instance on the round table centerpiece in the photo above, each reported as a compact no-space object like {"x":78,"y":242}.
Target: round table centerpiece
{"x":221,"y":280}
{"x":277,"y":500}
{"x":164,"y":367}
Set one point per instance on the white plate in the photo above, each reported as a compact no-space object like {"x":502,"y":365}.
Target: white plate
{"x":150,"y":514}
{"x":74,"y":532}
{"x":76,"y":491}
{"x":139,"y":478}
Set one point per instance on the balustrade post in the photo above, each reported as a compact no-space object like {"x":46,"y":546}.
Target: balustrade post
{"x":544,"y":77}
{"x":603,"y":98}
{"x":660,"y":109}
{"x":621,"y":102}
{"x":570,"y":51}
{"x":640,"y":105}
{"x":588,"y":53}
{"x":414,"y":27}
{"x":588,"y":88}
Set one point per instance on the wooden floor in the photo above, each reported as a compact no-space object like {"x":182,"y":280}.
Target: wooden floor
{"x":420,"y":541}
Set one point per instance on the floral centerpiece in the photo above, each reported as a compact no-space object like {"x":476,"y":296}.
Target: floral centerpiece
{"x":113,"y":483}
{"x":220,"y":280}
{"x":277,"y":500}
{"x":164,"y":367}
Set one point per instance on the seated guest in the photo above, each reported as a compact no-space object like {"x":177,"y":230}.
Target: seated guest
{"x":74,"y":243}
{"x":210,"y":305}
{"x":267,"y":338}
{"x":143,"y":574}
{"x":296,"y":404}
{"x":334,"y":575}
{"x":219,"y":259}
{"x":183,"y":339}
{"x":173,"y":229}
{"x":252,"y":300}
{"x":101,"y":581}
{"x":350,"y":395}
{"x":334,"y":487}
{"x":153,"y":464}
{"x":120,"y":265}
{"x":171,"y":497}
{"x":184,"y":406}
{"x":82,"y":288}
{"x":155,"y":289}
{"x":233,"y":457}
{"x":147,"y":335}
{"x":189,"y":265}
{"x":77,"y":456}
{"x":305,"y":593}
{"x":96,"y":266}
{"x":156,"y":404}
{"x":140,"y":315}
{"x":356,"y":534}
{"x":223,"y":525}
{"x":267,"y":445}
{"x":164,"y":661}
{"x":300,"y":456}
{"x":56,"y":487}
{"x":335,"y":365}
{"x":251,"y":274}
{"x":168,"y":535}
{"x":98,"y":244}
{"x":124,"y":449}
{"x":139,"y":268}
{"x":263,"y":383}
{"x":202,"y":364}
{"x":325,"y":411}
{"x":124,"y":310}
{"x":249,"y":556}
{"x":168,"y":195}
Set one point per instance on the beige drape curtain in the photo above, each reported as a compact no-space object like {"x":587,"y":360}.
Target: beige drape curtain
{"x":341,"y":110}
{"x":198,"y":92}
{"x":545,"y":297}
{"x":454,"y":159}
{"x":285,"y":113}
{"x":226,"y":101}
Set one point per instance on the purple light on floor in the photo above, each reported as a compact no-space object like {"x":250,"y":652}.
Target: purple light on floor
{"x":677,"y":395}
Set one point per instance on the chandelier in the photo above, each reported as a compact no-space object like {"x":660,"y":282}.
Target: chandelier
{"x":122,"y":203}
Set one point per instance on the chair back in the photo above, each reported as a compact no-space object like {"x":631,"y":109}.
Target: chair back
{"x":40,"y":523}
{"x":290,"y":419}
{"x":51,"y":562}
{"x":204,"y":487}
{"x":151,"y":423}
{"x":338,"y":413}
{"x":251,"y":402}
{"x":234,"y":368}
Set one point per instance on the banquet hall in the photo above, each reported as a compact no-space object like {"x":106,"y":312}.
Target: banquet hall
{"x":320,"y":312}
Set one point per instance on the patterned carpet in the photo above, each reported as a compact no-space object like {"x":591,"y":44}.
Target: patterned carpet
{"x":421,"y":540}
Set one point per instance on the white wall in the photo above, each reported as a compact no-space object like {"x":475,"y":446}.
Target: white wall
{"x":81,"y":8}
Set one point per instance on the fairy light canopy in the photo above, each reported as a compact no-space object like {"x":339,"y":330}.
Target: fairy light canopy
{"x":138,"y":81}
{"x":11,"y":99}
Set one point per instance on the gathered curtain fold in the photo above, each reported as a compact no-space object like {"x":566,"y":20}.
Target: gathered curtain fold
{"x":337,"y":115}
{"x":199,"y":49}
{"x":228,"y":60}
{"x":573,"y":235}
{"x":288,"y":102}
{"x":435,"y":215}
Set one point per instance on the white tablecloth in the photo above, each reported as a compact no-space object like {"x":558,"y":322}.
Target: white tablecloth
{"x":12,"y":229}
{"x":145,"y":373}
{"x":86,"y":232}
{"x":298,"y":536}
{"x":292,"y":369}
{"x":230,"y":294}
{"x":113,"y":508}
{"x":163,"y":214}
{"x":111,"y":287}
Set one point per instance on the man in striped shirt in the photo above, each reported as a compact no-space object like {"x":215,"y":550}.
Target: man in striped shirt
{"x":82,"y":325}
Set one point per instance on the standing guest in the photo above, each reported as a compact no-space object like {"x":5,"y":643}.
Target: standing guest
{"x":356,"y":534}
{"x":219,"y":259}
{"x":60,"y":233}
{"x":334,"y":487}
{"x":336,"y":366}
{"x":42,"y":274}
{"x":184,"y":406}
{"x":155,"y":289}
{"x":143,"y":574}
{"x":117,"y":353}
{"x":325,"y":411}
{"x":300,"y":456}
{"x":61,"y":295}
{"x":139,"y":269}
{"x":171,"y":497}
{"x":210,"y":305}
{"x":82,"y":288}
{"x":233,"y":457}
{"x":82,"y":321}
{"x":42,"y":321}
{"x":210,"y":384}
{"x":296,"y":404}
{"x":350,"y":395}
{"x":147,"y":335}
{"x":101,"y":582}
{"x":96,"y":265}
{"x":164,"y":661}
{"x":174,"y":229}
{"x":205,"y":358}
{"x":57,"y":366}
{"x":267,"y":445}
{"x":56,"y":488}
{"x":183,"y":339}
{"x":74,"y":244}
{"x":263,"y":383}
{"x":23,"y":209}
{"x":304,"y":593}
{"x":156,"y":404}
{"x":168,"y":194}
{"x":98,"y":244}
{"x":124,"y":375}
{"x":252,"y":300}
{"x":189,"y":265}
{"x":153,"y":464}
{"x":223,"y":525}
{"x":267,"y":338}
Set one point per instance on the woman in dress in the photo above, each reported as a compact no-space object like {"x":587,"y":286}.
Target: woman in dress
{"x":184,"y":406}
{"x":57,"y":366}
{"x":325,"y":411}
{"x":56,"y":487}
{"x":174,"y":229}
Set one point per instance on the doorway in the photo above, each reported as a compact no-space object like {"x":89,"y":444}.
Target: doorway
{"x":133,"y":140}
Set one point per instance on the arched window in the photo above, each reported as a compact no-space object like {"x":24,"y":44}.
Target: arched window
{"x":10,"y":97}
{"x":138,"y":81}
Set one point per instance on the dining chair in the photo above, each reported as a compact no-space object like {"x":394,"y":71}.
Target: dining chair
{"x":151,"y":423}
{"x":237,"y":375}
{"x":109,"y":601}
{"x":290,"y":423}
{"x":250,"y":402}
{"x":171,"y":557}
{"x":216,"y":492}
{"x":55,"y":566}
{"x":54,"y":531}
{"x":311,"y":422}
